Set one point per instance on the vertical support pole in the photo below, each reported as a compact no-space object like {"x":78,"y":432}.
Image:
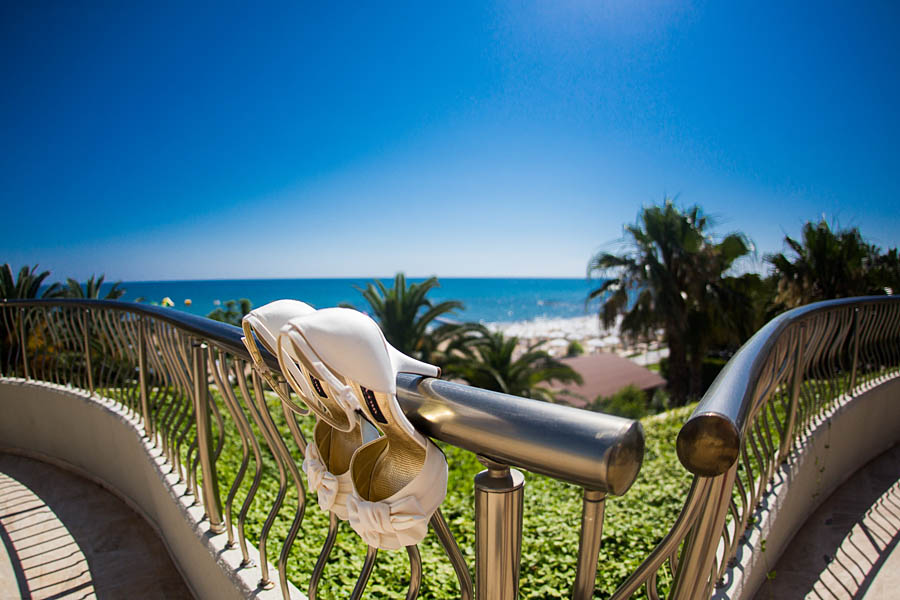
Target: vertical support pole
{"x":592,"y":510}
{"x":86,"y":321}
{"x":212,"y":503}
{"x":142,"y":381}
{"x":787,"y":438}
{"x":855,"y":364}
{"x":22,"y":342}
{"x":499,"y":493}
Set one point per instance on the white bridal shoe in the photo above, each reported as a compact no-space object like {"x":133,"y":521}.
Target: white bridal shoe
{"x":327,"y":457}
{"x":266,"y":321}
{"x":398,"y":480}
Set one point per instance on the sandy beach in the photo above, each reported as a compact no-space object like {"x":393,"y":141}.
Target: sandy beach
{"x":557,"y":333}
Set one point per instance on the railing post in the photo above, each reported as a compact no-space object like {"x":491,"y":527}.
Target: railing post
{"x":27,"y":373}
{"x":86,"y":321}
{"x":211,"y":501}
{"x":855,"y":363}
{"x":788,"y":437}
{"x":592,"y":509}
{"x":499,"y":493}
{"x":142,"y":376}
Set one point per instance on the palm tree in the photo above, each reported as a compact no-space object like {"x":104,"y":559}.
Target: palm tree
{"x":752,"y":305}
{"x":826,"y":264}
{"x":488,"y":360}
{"x":669,"y":276}
{"x":26,"y":285}
{"x":716,"y":304}
{"x":91,"y":289}
{"x":405,"y":315}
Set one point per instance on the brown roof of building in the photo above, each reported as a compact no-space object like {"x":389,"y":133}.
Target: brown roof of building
{"x":605,"y":374}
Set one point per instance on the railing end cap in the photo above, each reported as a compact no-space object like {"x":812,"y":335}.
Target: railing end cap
{"x":625,"y":460}
{"x":708,"y":444}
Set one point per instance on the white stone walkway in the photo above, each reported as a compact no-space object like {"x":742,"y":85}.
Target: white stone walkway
{"x":847,"y":549}
{"x":62,"y":536}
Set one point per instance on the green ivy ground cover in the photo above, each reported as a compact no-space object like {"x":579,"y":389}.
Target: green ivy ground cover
{"x":634,"y":523}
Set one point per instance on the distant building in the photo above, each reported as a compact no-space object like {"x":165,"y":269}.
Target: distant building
{"x":605,"y":374}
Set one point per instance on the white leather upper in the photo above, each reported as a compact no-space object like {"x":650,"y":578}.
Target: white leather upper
{"x":352,"y":344}
{"x":267,"y":320}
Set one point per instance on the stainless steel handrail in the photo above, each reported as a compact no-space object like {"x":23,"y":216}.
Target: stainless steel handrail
{"x":594,"y":450}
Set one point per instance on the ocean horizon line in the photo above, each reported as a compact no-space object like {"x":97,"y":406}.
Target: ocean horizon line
{"x":351,"y":278}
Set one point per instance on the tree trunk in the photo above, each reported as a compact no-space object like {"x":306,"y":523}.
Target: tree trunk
{"x":696,"y":364}
{"x":679,"y":373}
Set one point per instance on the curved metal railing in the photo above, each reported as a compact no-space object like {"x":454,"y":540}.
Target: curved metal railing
{"x":190,"y":383}
{"x":773,"y":392}
{"x":161,"y":364}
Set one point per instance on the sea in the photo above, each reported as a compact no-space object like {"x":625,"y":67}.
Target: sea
{"x":486,"y":300}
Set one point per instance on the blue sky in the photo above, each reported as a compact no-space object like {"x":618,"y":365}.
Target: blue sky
{"x":162,"y":141}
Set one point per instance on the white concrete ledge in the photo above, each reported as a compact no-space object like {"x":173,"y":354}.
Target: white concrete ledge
{"x":843,"y":440}
{"x":97,"y":439}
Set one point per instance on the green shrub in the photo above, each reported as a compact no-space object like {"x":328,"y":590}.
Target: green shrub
{"x":575,"y":349}
{"x":629,"y":402}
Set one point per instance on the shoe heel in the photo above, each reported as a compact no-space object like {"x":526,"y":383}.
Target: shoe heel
{"x":407,"y":364}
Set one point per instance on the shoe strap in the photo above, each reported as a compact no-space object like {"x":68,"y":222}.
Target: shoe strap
{"x":344,"y":395}
{"x":263,"y":369}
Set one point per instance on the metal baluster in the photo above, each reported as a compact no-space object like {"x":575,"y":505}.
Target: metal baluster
{"x":72,"y":324}
{"x":283,"y":455}
{"x":173,"y":395}
{"x":142,"y":377}
{"x":238,"y":368}
{"x":290,"y":415}
{"x":700,"y":547}
{"x":327,"y":547}
{"x":51,"y":358}
{"x":186,"y":418}
{"x":6,"y":367}
{"x":439,"y":524}
{"x":368,"y":565}
{"x":787,"y":439}
{"x":264,"y":581}
{"x":667,"y":549}
{"x":415,"y":572}
{"x":855,"y":362}
{"x":219,"y":370}
{"x":22,"y":343}
{"x":211,"y":501}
